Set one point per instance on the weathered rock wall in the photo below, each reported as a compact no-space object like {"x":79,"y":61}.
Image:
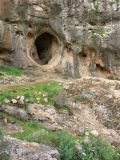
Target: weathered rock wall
{"x":86,"y":31}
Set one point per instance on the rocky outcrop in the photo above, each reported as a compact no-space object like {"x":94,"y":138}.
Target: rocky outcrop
{"x":18,"y":150}
{"x":78,"y":38}
{"x":95,"y":104}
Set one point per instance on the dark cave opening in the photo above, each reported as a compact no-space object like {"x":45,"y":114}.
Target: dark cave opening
{"x":45,"y":47}
{"x":82,"y":54}
{"x":99,"y":67}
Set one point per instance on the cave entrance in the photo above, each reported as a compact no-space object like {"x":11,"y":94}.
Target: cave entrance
{"x":46,"y":45}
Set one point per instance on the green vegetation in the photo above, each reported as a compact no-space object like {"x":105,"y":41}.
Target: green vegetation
{"x":34,"y":132}
{"x":94,"y":149}
{"x":111,"y":77}
{"x":66,"y":146}
{"x":91,"y":148}
{"x":9,"y":70}
{"x":77,"y":98}
{"x":28,"y":127}
{"x":98,"y":31}
{"x":33,"y":93}
{"x":4,"y":157}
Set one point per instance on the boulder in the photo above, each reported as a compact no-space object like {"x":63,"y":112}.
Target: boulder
{"x":20,"y":150}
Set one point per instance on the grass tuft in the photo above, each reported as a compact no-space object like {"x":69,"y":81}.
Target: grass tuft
{"x":9,"y":70}
{"x":33,"y":93}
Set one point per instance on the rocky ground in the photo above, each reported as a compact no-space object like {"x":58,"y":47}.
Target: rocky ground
{"x":78,"y":105}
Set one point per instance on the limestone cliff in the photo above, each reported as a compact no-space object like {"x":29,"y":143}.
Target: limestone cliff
{"x":75,"y":37}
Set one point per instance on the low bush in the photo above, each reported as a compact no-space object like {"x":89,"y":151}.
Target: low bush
{"x":96,"y":149}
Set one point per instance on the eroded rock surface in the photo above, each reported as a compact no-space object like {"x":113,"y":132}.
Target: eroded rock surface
{"x":96,"y":105}
{"x":19,"y":150}
{"x":83,"y":36}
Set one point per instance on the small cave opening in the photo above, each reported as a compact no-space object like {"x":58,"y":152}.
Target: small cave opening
{"x":46,"y":45}
{"x":82,"y":54}
{"x":99,"y":67}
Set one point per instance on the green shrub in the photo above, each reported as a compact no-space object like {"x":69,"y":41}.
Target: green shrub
{"x":4,"y":157}
{"x":29,"y":128}
{"x":59,"y":139}
{"x":66,"y":146}
{"x":43,"y":136}
{"x":96,"y":149}
{"x":111,"y":77}
{"x":99,"y":31}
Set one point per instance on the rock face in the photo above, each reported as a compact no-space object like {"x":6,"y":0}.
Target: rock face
{"x":19,"y":150}
{"x":79,"y":38}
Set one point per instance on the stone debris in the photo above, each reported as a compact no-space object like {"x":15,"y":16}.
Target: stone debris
{"x":94,"y":133}
{"x":46,"y":100}
{"x":7,"y":101}
{"x":14,"y":101}
{"x":9,"y":80}
{"x":19,"y":100}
